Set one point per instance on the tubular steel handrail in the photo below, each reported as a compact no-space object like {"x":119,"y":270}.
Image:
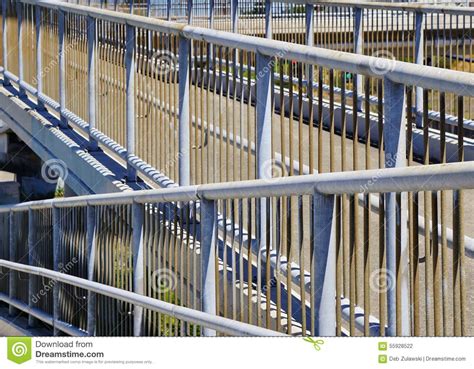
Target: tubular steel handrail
{"x":435,"y":177}
{"x":411,"y":7}
{"x":400,"y":72}
{"x":220,"y":324}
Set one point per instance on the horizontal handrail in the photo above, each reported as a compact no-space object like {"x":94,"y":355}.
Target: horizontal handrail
{"x":400,"y":72}
{"x":417,"y":178}
{"x":409,"y":7}
{"x":220,"y":324}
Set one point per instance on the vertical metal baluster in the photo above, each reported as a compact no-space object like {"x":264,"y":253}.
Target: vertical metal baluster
{"x":130,"y":100}
{"x":6,"y":82}
{"x":39,"y":60}
{"x":12,"y":248}
{"x":62,"y":67}
{"x":426,"y":214}
{"x":56,"y":246}
{"x":367,"y":220}
{"x":459,"y":294}
{"x":419,"y":59}
{"x":395,"y":156}
{"x":413,"y":219}
{"x":443,"y":215}
{"x":437,"y":299}
{"x":91,"y":239}
{"x":91,"y":73}
{"x":32,"y":279}
{"x":21,"y":71}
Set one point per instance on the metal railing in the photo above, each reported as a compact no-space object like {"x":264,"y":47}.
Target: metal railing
{"x":142,"y":263}
{"x":435,"y":35}
{"x":235,"y":108}
{"x":88,"y":83}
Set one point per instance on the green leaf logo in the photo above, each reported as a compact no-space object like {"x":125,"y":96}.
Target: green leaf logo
{"x":19,"y":349}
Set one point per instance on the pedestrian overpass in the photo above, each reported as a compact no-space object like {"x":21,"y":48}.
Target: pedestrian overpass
{"x":233,"y":181}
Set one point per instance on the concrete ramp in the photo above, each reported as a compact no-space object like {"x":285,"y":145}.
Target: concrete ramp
{"x":84,"y":172}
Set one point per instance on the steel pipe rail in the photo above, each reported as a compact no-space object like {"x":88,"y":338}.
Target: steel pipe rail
{"x":400,"y":72}
{"x":223,"y":325}
{"x":405,"y":179}
{"x":410,"y":7}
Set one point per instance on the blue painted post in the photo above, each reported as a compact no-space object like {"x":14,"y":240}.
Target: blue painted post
{"x":309,"y":24}
{"x":210,"y":49}
{"x":130,"y":100}
{"x":264,"y":70}
{"x":324,"y":264}
{"x":21,"y":71}
{"x":396,"y":216}
{"x":138,"y":213}
{"x":358,"y":49}
{"x":268,"y":19}
{"x":62,"y":68}
{"x":212,"y":13}
{"x":190,"y":11}
{"x":39,"y":57}
{"x":32,"y":279}
{"x":184,"y":117}
{"x":419,"y":59}
{"x":56,"y":245}
{"x":234,"y":13}
{"x":168,"y":10}
{"x":309,"y":42}
{"x":91,"y":252}
{"x":208,"y":259}
{"x":12,"y":254}
{"x":91,"y":73}
{"x":6,"y":82}
{"x":148,"y":8}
